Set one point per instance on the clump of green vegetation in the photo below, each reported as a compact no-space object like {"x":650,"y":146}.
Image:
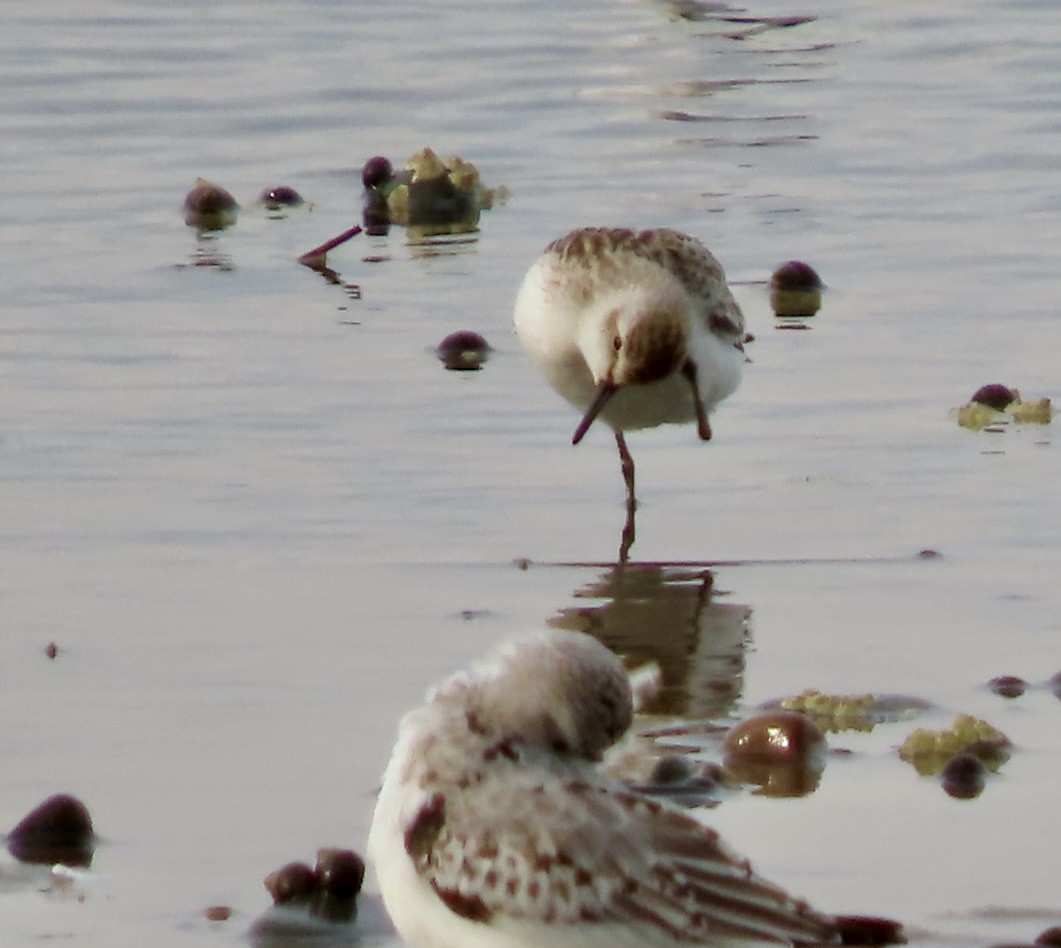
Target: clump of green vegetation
{"x":862,"y":712}
{"x":834,"y":712}
{"x":929,"y":751}
{"x":445,"y":195}
{"x":998,"y":404}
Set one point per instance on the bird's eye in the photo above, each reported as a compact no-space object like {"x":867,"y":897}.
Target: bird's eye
{"x":617,"y":343}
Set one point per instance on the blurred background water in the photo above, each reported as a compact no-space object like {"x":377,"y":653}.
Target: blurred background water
{"x":258,"y":518}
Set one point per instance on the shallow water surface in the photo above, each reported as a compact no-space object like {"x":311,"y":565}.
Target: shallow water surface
{"x":259,"y":519}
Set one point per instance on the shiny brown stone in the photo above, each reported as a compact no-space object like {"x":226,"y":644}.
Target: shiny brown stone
{"x":782,"y":752}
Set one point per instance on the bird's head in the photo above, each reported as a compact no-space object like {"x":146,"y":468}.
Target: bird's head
{"x":640,"y":334}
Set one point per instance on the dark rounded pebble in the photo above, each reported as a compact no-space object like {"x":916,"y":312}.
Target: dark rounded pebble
{"x":795,"y":290}
{"x":340,"y":872}
{"x":59,"y":830}
{"x":51,"y":650}
{"x":964,"y":776}
{"x":869,"y":931}
{"x":209,"y":198}
{"x":283,"y":196}
{"x":376,"y":171}
{"x":291,"y":883}
{"x":1008,"y":686}
{"x":209,"y":206}
{"x":795,"y":275}
{"x":218,"y":913}
{"x":994,"y":396}
{"x":671,"y":768}
{"x":1052,"y":936}
{"x":463,"y":351}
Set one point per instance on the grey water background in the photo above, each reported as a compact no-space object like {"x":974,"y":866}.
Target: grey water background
{"x":258,"y":518}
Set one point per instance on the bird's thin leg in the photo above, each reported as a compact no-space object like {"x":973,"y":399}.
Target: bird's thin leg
{"x":626,"y":461}
{"x":702,"y":427}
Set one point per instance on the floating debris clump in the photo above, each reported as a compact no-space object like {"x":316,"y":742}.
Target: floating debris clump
{"x":834,"y":712}
{"x":930,"y":751}
{"x":863,"y":712}
{"x":443,"y":196}
{"x":995,"y":405}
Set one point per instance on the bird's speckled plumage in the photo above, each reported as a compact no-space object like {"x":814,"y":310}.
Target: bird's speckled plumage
{"x":495,"y":829}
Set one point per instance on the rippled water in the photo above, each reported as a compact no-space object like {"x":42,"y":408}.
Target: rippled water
{"x":258,"y":518}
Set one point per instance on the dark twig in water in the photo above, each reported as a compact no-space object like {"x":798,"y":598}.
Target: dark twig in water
{"x":315,"y":258}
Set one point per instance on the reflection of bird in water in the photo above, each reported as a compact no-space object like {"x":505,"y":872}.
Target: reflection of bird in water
{"x":638,"y":329}
{"x":495,"y":829}
{"x":671,"y":616}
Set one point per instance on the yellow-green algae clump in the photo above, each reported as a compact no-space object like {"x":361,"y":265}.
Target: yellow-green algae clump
{"x":442,"y":194}
{"x":998,"y":404}
{"x":929,"y":751}
{"x":834,"y":712}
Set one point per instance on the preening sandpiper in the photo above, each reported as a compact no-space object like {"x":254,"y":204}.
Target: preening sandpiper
{"x":495,"y":828}
{"x":637,"y":328}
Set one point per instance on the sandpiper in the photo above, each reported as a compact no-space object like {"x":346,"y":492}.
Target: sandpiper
{"x":495,"y":828}
{"x":637,"y":328}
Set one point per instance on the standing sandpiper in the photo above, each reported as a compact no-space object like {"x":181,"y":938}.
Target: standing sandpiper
{"x":637,"y":328}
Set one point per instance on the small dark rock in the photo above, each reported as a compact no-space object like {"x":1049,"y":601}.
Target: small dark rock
{"x":376,"y":171}
{"x":218,"y":913}
{"x":295,"y":882}
{"x":209,"y":206}
{"x":276,"y":198}
{"x":51,"y":650}
{"x":1052,"y":936}
{"x":796,"y":275}
{"x":795,"y":290}
{"x":964,"y":776}
{"x":1008,"y":686}
{"x":994,"y":396}
{"x":57,"y":831}
{"x":463,"y":351}
{"x":340,"y":872}
{"x":869,"y":931}
{"x":671,"y":768}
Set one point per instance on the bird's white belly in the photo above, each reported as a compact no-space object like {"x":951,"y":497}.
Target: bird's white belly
{"x":666,"y":402}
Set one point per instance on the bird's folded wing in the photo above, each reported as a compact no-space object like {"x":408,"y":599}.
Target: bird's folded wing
{"x":573,"y":851}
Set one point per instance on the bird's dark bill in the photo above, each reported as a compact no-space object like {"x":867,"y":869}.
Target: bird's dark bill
{"x":605,"y":390}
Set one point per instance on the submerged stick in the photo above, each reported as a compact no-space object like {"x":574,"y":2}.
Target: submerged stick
{"x":315,"y":258}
